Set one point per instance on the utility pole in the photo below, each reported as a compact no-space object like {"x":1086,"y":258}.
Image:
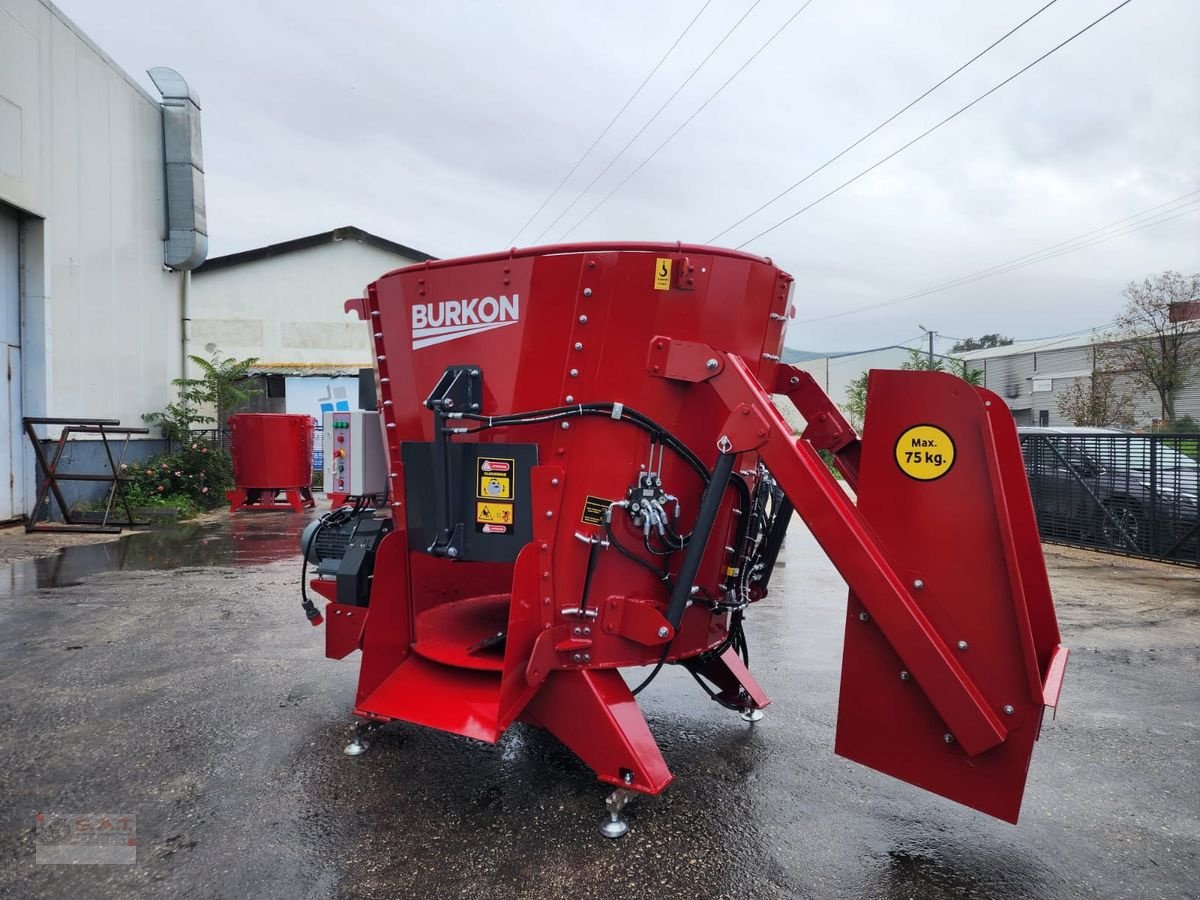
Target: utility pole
{"x":931,"y":336}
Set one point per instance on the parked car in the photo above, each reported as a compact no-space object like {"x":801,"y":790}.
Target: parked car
{"x":1114,"y":489}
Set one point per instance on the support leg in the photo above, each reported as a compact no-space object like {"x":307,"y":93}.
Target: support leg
{"x":359,"y":745}
{"x":615,"y":825}
{"x":735,"y":685}
{"x":594,"y":714}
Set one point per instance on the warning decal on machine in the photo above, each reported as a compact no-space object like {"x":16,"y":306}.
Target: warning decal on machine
{"x":925,"y":452}
{"x":494,"y":518}
{"x":495,"y":479}
{"x":662,"y":274}
{"x":594,"y":510}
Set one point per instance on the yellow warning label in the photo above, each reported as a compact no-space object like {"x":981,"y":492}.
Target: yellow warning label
{"x":494,"y":513}
{"x":495,"y":486}
{"x":662,"y":274}
{"x":925,"y":452}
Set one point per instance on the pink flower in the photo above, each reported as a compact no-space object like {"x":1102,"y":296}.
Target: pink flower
{"x":193,"y":446}
{"x":124,"y":467}
{"x":204,"y":490}
{"x":165,"y":466}
{"x":162,"y":487}
{"x":149,"y":471}
{"x":203,"y":449}
{"x":178,"y":474}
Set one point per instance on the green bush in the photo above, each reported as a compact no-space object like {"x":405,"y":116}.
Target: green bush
{"x":192,"y":479}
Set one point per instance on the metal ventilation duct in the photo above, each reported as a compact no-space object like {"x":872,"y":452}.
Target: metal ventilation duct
{"x":186,"y":245}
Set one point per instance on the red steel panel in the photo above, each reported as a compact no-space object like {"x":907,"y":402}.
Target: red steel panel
{"x":954,"y":536}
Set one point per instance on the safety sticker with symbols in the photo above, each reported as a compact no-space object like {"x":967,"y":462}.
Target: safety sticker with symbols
{"x":494,"y":518}
{"x":495,"y":479}
{"x":494,"y":494}
{"x":662,"y":274}
{"x":594,"y":510}
{"x":925,"y":452}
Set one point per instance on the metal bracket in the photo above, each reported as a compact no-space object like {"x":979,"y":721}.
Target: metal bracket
{"x":460,"y":389}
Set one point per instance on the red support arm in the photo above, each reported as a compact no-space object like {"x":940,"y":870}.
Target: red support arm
{"x":848,"y":540}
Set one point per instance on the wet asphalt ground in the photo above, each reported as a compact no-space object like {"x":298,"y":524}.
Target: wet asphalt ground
{"x":171,"y":676}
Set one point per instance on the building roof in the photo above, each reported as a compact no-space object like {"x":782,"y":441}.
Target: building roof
{"x":1038,"y":345}
{"x":346,"y":233}
{"x":304,"y":370}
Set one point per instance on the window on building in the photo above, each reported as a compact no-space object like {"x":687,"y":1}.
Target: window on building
{"x":1044,"y":418}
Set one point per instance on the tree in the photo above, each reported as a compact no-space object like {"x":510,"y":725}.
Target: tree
{"x":918,"y":361}
{"x":985,"y":342}
{"x":1152,"y":341}
{"x":856,"y":401}
{"x":963,"y":370}
{"x":220,"y":387}
{"x":1096,"y":401}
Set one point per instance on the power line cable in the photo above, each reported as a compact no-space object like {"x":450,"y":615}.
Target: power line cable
{"x":1018,"y":344}
{"x":884,"y":123}
{"x":685,"y":122}
{"x":649,"y":121}
{"x":1038,"y":256}
{"x":934,"y":128}
{"x":611,"y":123}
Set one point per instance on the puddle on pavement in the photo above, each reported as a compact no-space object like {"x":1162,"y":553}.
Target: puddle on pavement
{"x":239,"y":540}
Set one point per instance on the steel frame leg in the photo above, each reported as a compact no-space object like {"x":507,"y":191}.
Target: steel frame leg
{"x":593,"y":713}
{"x":735,"y":684}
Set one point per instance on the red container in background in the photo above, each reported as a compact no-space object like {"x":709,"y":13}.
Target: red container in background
{"x":272,"y":456}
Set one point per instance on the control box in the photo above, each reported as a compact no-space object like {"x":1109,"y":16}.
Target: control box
{"x":354,"y":453}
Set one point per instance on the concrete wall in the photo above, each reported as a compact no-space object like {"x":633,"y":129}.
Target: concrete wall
{"x":287,"y":309}
{"x":81,"y":162}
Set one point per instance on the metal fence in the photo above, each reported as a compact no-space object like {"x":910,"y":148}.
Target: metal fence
{"x":1122,"y":493}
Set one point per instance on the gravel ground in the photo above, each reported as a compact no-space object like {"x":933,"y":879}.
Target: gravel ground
{"x":171,"y":676}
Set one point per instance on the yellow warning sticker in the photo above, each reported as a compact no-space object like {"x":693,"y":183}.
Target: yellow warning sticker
{"x":925,"y":452}
{"x":495,"y":486}
{"x":662,"y":274}
{"x":494,"y":513}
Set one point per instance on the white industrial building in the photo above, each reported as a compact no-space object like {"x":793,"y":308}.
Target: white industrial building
{"x":283,"y":305}
{"x":1031,"y":376}
{"x":92,"y":169}
{"x":834,"y":372}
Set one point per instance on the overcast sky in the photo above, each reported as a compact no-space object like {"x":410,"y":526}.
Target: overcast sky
{"x":445,"y":125}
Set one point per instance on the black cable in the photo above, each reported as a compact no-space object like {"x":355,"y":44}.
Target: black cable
{"x":333,"y":517}
{"x":611,"y":123}
{"x":711,"y":97}
{"x":882,"y":124}
{"x":1071,"y":245}
{"x":593,"y":558}
{"x":649,"y":121}
{"x":649,"y":678}
{"x":934,"y":128}
{"x":660,"y":574}
{"x":535,"y":417}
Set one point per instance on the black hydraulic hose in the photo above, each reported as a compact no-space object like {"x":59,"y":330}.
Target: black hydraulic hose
{"x":707,"y":515}
{"x":609,"y":410}
{"x":593,"y":558}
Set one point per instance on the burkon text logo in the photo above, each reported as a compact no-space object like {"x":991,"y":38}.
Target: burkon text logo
{"x":436,"y":323}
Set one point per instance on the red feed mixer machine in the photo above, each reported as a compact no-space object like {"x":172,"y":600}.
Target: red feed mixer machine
{"x":272,"y":462}
{"x":588,"y":473}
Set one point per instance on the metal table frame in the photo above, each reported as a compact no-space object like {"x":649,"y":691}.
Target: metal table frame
{"x":49,"y":476}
